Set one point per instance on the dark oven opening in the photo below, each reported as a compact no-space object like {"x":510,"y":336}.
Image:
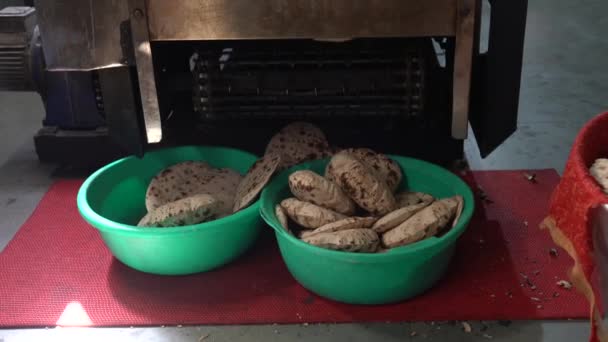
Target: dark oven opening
{"x":390,"y":94}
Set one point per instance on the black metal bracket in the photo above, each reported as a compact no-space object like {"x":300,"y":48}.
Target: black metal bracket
{"x":121,"y":109}
{"x":497,"y":75}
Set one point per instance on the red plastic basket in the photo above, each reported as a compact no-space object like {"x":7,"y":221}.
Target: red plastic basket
{"x":570,"y":220}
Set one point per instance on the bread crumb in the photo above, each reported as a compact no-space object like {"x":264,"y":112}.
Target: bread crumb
{"x":531,"y":177}
{"x":483,"y":196}
{"x":564,"y":284}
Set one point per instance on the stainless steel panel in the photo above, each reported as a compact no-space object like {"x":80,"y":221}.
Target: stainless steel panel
{"x":145,"y":70}
{"x":81,"y":35}
{"x":320,"y":19}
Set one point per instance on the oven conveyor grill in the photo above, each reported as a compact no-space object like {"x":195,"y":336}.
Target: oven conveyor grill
{"x":309,"y":79}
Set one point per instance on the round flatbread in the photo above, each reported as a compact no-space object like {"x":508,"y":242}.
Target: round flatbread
{"x":459,"y":207}
{"x":360,"y":184}
{"x":221,"y":184}
{"x":350,"y":240}
{"x":395,"y":218}
{"x":309,"y":215}
{"x":191,"y":178}
{"x":599,"y":171}
{"x":310,"y":187}
{"x":282,"y":217}
{"x":254,"y":181}
{"x":425,"y":223}
{"x":347,"y":223}
{"x":186,"y":211}
{"x":408,"y":198}
{"x":299,"y":142}
{"x":381,"y":165}
{"x":165,"y":186}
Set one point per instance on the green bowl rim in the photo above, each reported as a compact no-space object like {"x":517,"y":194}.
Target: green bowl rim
{"x":433,"y":242}
{"x":103,"y":224}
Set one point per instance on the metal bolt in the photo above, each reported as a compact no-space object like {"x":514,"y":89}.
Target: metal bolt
{"x":138,"y":13}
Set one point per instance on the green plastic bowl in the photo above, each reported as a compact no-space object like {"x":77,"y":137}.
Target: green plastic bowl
{"x":364,"y":278}
{"x":113,"y":200}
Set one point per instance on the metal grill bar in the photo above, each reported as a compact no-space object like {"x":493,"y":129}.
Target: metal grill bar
{"x":309,"y":79}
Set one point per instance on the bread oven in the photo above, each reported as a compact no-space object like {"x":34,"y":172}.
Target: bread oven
{"x":400,"y":76}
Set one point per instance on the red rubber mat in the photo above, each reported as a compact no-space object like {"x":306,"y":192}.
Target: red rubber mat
{"x":57,"y":271}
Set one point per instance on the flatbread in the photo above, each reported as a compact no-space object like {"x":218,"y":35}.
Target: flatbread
{"x":599,"y":171}
{"x":459,"y":207}
{"x":254,"y":181}
{"x":310,"y":187}
{"x":425,"y":223}
{"x":383,"y":167}
{"x":282,"y":218}
{"x":299,"y":142}
{"x":165,"y":186}
{"x":350,"y":240}
{"x":359,"y":183}
{"x":347,"y":223}
{"x":397,"y":217}
{"x":309,"y":215}
{"x":222,"y":185}
{"x":408,"y":198}
{"x":191,"y":178}
{"x":186,"y":211}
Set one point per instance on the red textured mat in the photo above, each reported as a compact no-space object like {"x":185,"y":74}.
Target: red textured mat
{"x":56,"y":271}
